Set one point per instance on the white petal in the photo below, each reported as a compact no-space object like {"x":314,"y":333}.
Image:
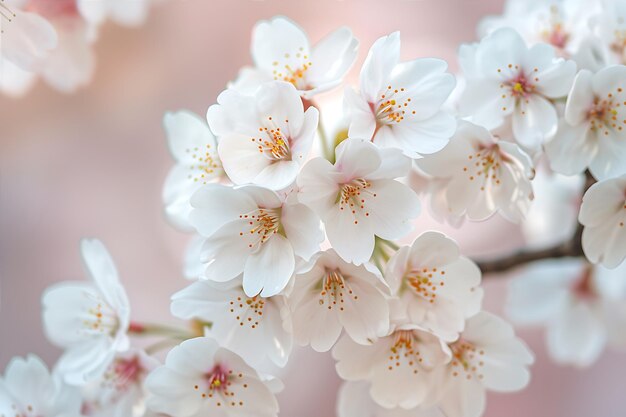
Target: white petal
{"x":392,"y":207}
{"x":302,"y":228}
{"x":332,"y":57}
{"x":381,"y":59}
{"x":215,"y":205}
{"x":279,"y":41}
{"x":533,"y":120}
{"x":268,"y":270}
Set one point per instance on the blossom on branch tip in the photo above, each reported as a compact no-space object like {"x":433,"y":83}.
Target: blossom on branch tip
{"x":400,"y":103}
{"x":281,"y":51}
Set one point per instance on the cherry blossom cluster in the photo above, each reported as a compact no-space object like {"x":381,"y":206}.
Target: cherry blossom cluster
{"x":305,"y":236}
{"x":53,"y":40}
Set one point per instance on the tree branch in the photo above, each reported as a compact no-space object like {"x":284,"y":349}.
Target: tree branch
{"x":571,"y":248}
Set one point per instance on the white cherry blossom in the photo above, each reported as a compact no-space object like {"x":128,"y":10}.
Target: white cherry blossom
{"x":330,"y":294}
{"x":487,"y":356}
{"x":120,"y":390}
{"x":281,"y":51}
{"x":564,"y":24}
{"x":265,"y":138}
{"x":397,"y":366}
{"x":593,"y":132}
{"x":603,"y":214}
{"x":608,"y":46}
{"x":583,"y":307}
{"x":400,"y":103}
{"x":438,"y":287}
{"x":507,"y":81}
{"x":354,"y":400}
{"x":254,"y":231}
{"x":201,"y":378}
{"x":257,"y":329}
{"x":88,"y":319}
{"x":28,"y":389}
{"x":484,"y":174}
{"x":357,"y":198}
{"x":194,"y":149}
{"x":26,"y":38}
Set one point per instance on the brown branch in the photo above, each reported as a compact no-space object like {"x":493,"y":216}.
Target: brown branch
{"x":571,"y":248}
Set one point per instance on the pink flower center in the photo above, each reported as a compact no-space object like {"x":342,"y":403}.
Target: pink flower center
{"x":217,"y":386}
{"x":294,"y":73}
{"x":53,"y":9}
{"x":404,"y":352}
{"x":584,"y":287}
{"x":603,"y":113}
{"x":264,"y":223}
{"x":248,"y":310}
{"x":392,"y":107}
{"x":274,"y":143}
{"x":424,"y":283}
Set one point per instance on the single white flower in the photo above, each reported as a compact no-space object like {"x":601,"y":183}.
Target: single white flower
{"x":583,"y":307}
{"x":257,"y":329}
{"x":88,"y":319}
{"x":357,"y":198}
{"x":330,"y":294}
{"x":124,"y":12}
{"x":438,"y":287}
{"x":562,"y":24}
{"x":487,"y":356}
{"x":354,"y":400}
{"x":201,"y":378}
{"x":593,"y":132}
{"x":603,"y":213}
{"x":28,"y":389}
{"x":255,"y":231}
{"x":484,"y":174}
{"x":400,"y":103}
{"x":397,"y":366}
{"x":507,"y":80}
{"x":265,"y":138}
{"x":194,"y":148}
{"x":26,"y":38}
{"x":120,"y":390}
{"x":281,"y":51}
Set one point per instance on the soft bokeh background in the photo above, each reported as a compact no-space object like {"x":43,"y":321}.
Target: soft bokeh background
{"x":92,"y":164}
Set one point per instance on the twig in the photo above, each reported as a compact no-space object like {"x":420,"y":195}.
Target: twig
{"x":571,"y":248}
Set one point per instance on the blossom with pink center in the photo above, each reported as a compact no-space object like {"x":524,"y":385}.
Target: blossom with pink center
{"x":400,"y":103}
{"x":120,"y":390}
{"x":281,"y":51}
{"x":603,"y":215}
{"x":201,"y":378}
{"x":264,"y":138}
{"x":593,"y":132}
{"x":330,"y":294}
{"x":508,"y":81}
{"x":358,"y":197}
{"x":254,"y":231}
{"x":437,"y":286}
{"x":27,"y":389}
{"x":582,"y":306}
{"x":480,"y":174}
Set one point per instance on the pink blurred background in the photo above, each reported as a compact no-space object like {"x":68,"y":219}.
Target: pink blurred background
{"x":93,"y":163}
